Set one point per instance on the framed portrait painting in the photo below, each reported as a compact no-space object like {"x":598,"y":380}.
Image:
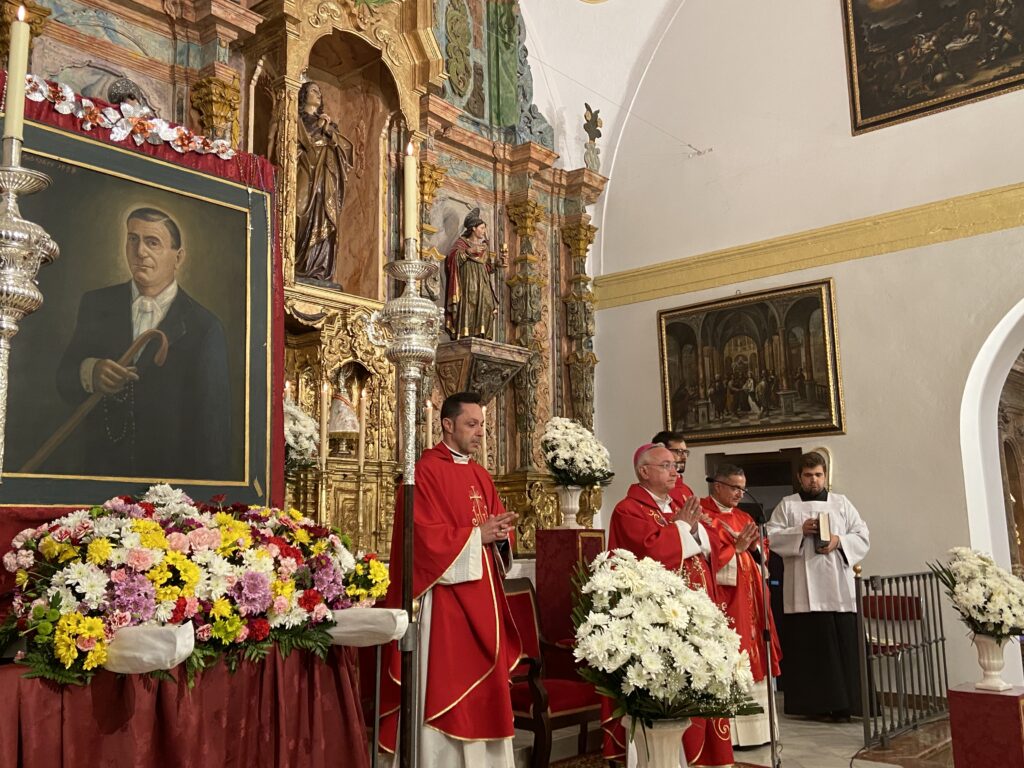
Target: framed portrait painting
{"x":155,"y":323}
{"x":752,"y":367}
{"x":908,"y":58}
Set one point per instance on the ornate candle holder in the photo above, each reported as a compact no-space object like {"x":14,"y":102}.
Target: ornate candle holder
{"x":24,"y":248}
{"x":413,"y":323}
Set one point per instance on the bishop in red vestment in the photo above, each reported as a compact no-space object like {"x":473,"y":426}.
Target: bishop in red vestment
{"x":469,"y":643}
{"x":739,"y":580}
{"x":650,"y":523}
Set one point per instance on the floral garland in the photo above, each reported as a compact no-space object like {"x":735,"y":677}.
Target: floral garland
{"x":124,"y":120}
{"x":573,"y":455}
{"x":246,"y":578}
{"x":659,"y":649}
{"x":989,"y":599}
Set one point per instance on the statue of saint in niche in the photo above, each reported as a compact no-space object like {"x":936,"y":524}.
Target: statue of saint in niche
{"x":324,"y":159}
{"x":343,"y":417}
{"x":470,"y":300}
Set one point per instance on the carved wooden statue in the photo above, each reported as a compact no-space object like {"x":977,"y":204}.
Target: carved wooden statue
{"x":324,"y":159}
{"x":471,"y":301}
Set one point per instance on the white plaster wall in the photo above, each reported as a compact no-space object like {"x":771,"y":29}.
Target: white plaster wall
{"x":764,"y":86}
{"x":590,"y":53}
{"x":910,"y":327}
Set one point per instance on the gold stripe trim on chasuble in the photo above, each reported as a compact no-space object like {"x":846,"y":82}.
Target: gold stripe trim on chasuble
{"x":952,"y":219}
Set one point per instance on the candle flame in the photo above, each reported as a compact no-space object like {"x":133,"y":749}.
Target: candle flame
{"x":21,"y":13}
{"x":408,"y":149}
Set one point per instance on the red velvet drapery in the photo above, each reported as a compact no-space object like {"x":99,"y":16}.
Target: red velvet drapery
{"x":280,"y":713}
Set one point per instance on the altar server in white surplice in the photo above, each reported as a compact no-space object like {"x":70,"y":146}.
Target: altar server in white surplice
{"x":819,"y":637}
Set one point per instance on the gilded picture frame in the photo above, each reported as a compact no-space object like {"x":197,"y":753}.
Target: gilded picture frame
{"x":910,"y":58}
{"x":199,"y":420}
{"x":753,"y":367}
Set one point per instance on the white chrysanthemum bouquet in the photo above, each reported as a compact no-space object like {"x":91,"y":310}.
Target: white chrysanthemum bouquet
{"x":989,"y":599}
{"x":661,"y":650}
{"x":573,"y":455}
{"x":301,"y":437}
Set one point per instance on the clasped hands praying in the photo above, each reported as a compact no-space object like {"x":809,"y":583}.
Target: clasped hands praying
{"x":497,"y":528}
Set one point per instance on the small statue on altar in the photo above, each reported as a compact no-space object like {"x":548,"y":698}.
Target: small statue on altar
{"x":470,"y":301}
{"x":343,"y":418}
{"x":324,"y":159}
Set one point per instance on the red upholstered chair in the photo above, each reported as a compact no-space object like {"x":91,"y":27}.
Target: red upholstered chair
{"x":544,"y":704}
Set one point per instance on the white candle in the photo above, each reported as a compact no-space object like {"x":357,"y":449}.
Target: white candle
{"x":429,"y":442}
{"x":483,"y":441}
{"x":409,"y":171}
{"x":17,"y":68}
{"x":325,"y":410}
{"x":287,"y":390}
{"x":362,"y":430}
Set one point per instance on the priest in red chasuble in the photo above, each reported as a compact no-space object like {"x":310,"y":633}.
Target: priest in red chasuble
{"x":650,"y":523}
{"x":468,"y":642}
{"x":739,"y":578}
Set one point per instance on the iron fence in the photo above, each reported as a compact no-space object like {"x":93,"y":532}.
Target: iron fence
{"x":903,"y":658}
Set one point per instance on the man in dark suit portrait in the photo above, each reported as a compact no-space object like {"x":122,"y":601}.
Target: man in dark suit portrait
{"x":166,"y":422}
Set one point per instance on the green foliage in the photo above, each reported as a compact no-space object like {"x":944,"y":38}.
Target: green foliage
{"x":40,"y":663}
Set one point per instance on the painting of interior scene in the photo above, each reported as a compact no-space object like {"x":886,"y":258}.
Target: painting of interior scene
{"x":907,"y":58}
{"x":756,"y":366}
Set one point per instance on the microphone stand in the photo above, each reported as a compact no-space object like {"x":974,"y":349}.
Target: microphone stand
{"x":766,"y":633}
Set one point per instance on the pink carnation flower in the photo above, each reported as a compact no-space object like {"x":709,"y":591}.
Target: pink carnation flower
{"x":11,"y":561}
{"x":139,"y":559}
{"x":118,"y":575}
{"x":243,"y":633}
{"x":61,"y":534}
{"x":273,"y":549}
{"x":204,"y":632}
{"x":85,"y":643}
{"x":286,"y":568}
{"x":26,"y":557}
{"x":22,"y":537}
{"x":203,"y":539}
{"x":178,"y":541}
{"x":118,"y":619}
{"x":280,"y":604}
{"x":320,"y":612}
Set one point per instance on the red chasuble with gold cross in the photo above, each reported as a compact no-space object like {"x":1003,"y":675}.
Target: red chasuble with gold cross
{"x":744,"y":601}
{"x":473,"y":644}
{"x":638,"y":525}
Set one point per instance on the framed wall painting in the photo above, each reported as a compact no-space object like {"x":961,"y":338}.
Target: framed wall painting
{"x":126,"y":222}
{"x":752,"y":367}
{"x":908,"y":58}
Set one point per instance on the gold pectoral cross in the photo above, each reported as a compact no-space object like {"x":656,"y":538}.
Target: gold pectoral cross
{"x":479,"y":510}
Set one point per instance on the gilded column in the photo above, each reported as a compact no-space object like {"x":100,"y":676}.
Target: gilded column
{"x":217,"y":103}
{"x":525,"y":300}
{"x":579,"y":318}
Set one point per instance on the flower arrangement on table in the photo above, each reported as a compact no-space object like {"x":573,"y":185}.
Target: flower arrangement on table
{"x":245,"y":578}
{"x":301,"y":437}
{"x":573,"y":455}
{"x":659,"y":649}
{"x":989,"y":599}
{"x":368,"y":581}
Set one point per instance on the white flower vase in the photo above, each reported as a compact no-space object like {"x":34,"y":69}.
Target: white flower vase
{"x":660,"y":746}
{"x":569,"y":503}
{"x":991,"y":661}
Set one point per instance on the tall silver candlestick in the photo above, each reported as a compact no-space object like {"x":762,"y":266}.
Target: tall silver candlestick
{"x":413,"y":322}
{"x":24,"y":248}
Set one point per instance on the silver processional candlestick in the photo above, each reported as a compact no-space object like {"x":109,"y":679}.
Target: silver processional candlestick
{"x":413,"y":323}
{"x":24,"y":248}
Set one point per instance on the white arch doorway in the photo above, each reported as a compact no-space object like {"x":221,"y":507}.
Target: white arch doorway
{"x":979,"y":448}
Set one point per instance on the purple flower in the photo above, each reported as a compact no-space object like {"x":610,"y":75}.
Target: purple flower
{"x":135,"y":595}
{"x":252,"y":593}
{"x":328,"y":582}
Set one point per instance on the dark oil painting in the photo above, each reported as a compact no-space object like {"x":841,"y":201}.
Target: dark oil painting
{"x":908,"y":58}
{"x":754,"y":366}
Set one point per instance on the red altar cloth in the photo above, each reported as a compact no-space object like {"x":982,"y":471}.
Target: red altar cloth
{"x":987,"y":727}
{"x":297,"y":712}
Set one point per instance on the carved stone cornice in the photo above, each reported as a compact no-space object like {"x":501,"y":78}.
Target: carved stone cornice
{"x":529,"y":158}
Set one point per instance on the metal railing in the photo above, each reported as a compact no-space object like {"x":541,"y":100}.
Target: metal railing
{"x":903,"y":654}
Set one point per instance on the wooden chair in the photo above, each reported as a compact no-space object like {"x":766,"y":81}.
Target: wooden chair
{"x":544,"y":704}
